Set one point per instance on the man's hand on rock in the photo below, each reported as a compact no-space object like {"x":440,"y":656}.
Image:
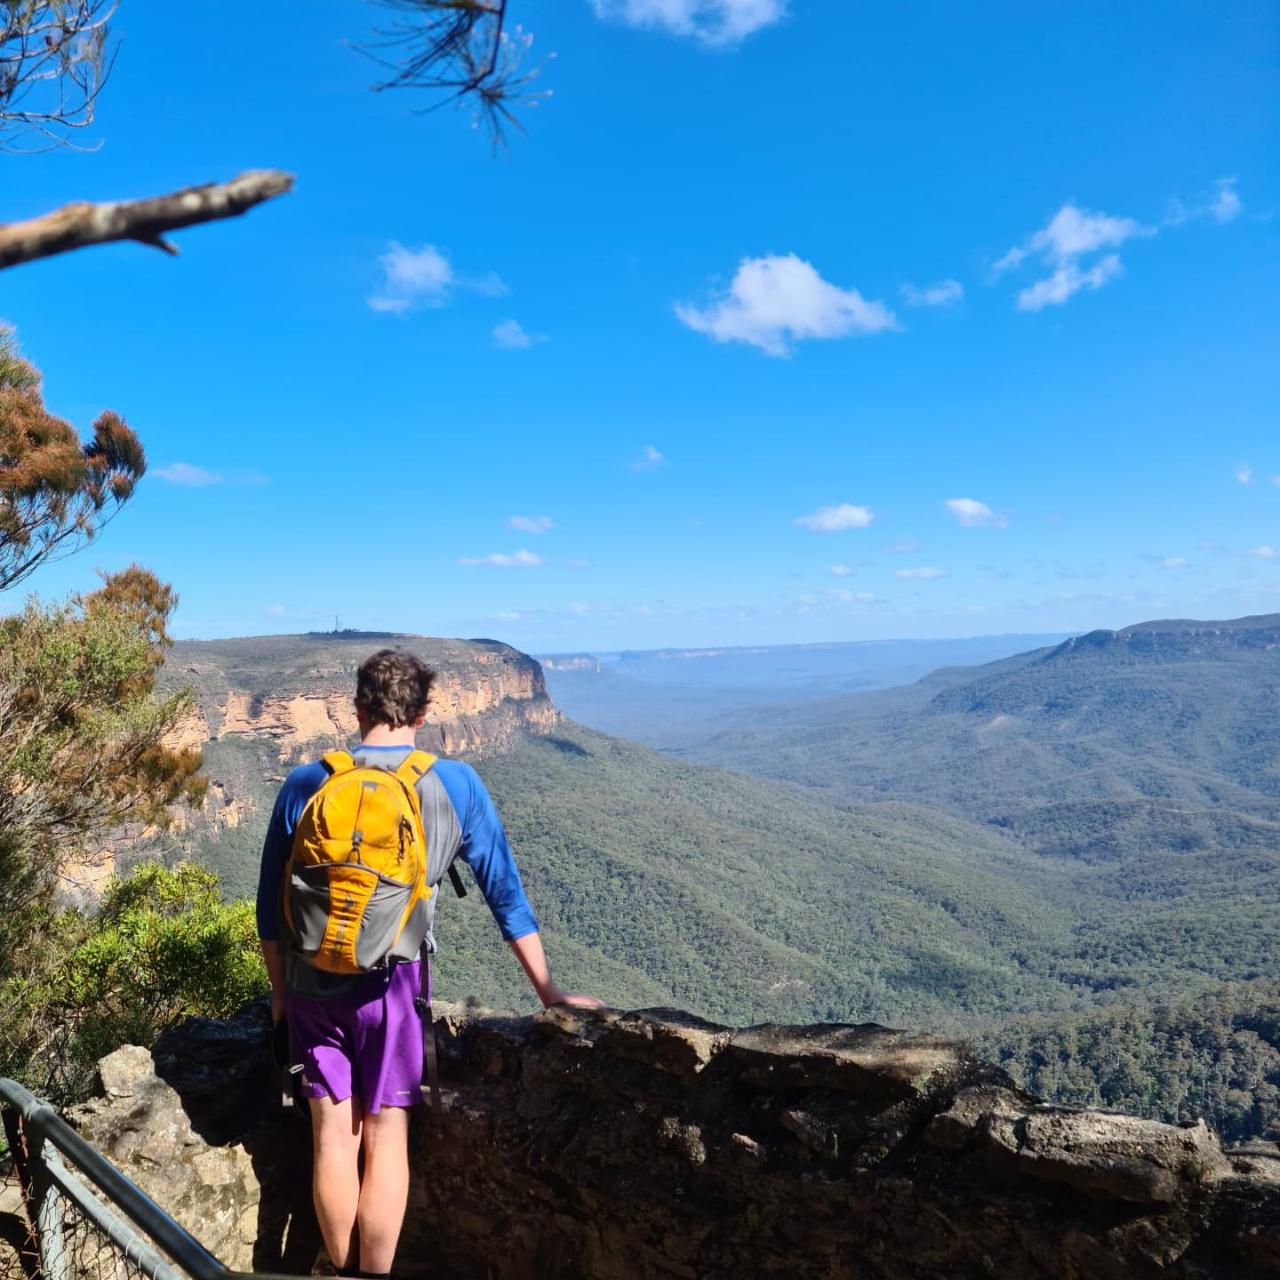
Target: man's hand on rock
{"x":553,"y":995}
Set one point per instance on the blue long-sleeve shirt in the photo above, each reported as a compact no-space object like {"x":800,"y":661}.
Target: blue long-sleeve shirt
{"x":469,"y":828}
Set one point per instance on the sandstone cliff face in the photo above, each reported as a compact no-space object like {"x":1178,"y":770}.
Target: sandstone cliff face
{"x":296,"y":691}
{"x":294,"y":694}
{"x":611,"y":1145}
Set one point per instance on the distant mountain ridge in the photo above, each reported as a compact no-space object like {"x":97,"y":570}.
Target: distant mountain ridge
{"x":1161,"y":710}
{"x":669,"y":698}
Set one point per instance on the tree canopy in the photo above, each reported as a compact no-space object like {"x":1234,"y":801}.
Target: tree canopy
{"x":56,"y":491}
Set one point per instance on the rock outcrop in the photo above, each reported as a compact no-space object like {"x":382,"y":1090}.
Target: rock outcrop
{"x":652,"y":1144}
{"x":284,"y":698}
{"x":296,"y":691}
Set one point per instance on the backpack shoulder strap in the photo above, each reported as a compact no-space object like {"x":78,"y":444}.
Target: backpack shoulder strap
{"x":414,"y":766}
{"x":338,"y":762}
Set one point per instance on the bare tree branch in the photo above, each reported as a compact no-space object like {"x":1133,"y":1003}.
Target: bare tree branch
{"x":75,"y":226}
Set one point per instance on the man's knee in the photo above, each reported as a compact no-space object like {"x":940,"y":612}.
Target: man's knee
{"x":335,"y":1122}
{"x":387,"y":1130}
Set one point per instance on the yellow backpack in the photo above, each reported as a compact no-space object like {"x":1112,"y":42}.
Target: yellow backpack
{"x":358,"y":867}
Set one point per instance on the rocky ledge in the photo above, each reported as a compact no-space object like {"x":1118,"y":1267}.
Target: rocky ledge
{"x":607,"y":1144}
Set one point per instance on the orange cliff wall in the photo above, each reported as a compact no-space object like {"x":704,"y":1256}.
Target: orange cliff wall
{"x":483,"y":700}
{"x":297,"y":694}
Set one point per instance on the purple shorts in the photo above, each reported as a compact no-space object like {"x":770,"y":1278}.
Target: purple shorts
{"x":362,"y":1045}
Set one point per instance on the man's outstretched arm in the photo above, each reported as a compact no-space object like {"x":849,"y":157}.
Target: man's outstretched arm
{"x":533,"y":960}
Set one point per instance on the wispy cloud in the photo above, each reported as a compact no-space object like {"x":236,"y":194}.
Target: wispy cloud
{"x":577,"y":563}
{"x":776,"y":300}
{"x":532,"y":524}
{"x":1072,"y":235}
{"x":840,"y":570}
{"x":185,"y":474}
{"x":1226,"y":203}
{"x":275,"y":611}
{"x":417,"y":278}
{"x":845,"y":596}
{"x":1067,"y":281}
{"x":922,"y":574}
{"x":1222,"y":205}
{"x":1264,"y":552}
{"x":193,"y":477}
{"x":512,"y":336}
{"x":837,"y":518}
{"x":501,"y":560}
{"x":1173,"y":562}
{"x":650,"y":459}
{"x":903,"y":547}
{"x":1244,"y":474}
{"x":714,"y":22}
{"x":943,"y":294}
{"x":973,"y":514}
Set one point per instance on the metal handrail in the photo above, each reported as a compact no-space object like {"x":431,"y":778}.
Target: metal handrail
{"x":43,"y":1124}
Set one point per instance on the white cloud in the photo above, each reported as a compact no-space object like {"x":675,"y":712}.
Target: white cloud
{"x":942,"y":294}
{"x":1173,"y":562}
{"x":975,"y":515}
{"x":512,"y":336}
{"x":714,"y":22}
{"x":1226,"y":203}
{"x":777,"y":299}
{"x":532,"y":524}
{"x":509,"y":615}
{"x":184,"y":473}
{"x":1067,"y":280}
{"x":649,"y":460}
{"x":903,"y":547}
{"x":1072,"y":232}
{"x":414,"y":278}
{"x":836,"y":519}
{"x":501,"y":560}
{"x":922,"y":573}
{"x":274,"y":611}
{"x":845,"y":596}
{"x":840,"y":570}
{"x":1244,"y":474}
{"x":1222,"y":206}
{"x":1263,"y":552}
{"x":1071,"y":235}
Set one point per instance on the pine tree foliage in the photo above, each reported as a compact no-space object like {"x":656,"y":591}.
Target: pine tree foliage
{"x":54,"y":59}
{"x":56,"y":491}
{"x":82,"y":731}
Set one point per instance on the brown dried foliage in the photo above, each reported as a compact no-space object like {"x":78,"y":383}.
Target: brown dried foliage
{"x":56,"y":491}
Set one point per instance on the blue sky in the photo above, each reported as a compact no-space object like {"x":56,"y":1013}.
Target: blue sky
{"x":784,"y":322}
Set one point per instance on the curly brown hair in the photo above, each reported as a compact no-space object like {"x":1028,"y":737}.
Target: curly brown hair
{"x":392,"y":687}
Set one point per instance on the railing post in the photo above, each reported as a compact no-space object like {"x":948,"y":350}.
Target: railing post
{"x":44,"y":1202}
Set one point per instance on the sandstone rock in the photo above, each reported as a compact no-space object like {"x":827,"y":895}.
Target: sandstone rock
{"x":584,"y":1143}
{"x":139,"y":1124}
{"x":668,"y":1039}
{"x":868,"y":1060}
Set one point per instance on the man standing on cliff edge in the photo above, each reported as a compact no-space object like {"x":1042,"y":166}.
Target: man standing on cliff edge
{"x":358,"y":1037}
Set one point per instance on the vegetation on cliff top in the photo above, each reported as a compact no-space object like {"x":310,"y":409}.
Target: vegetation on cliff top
{"x":81,"y":726}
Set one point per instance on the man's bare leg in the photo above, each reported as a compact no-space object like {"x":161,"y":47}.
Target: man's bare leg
{"x":385,"y":1190}
{"x":335,"y":1183}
